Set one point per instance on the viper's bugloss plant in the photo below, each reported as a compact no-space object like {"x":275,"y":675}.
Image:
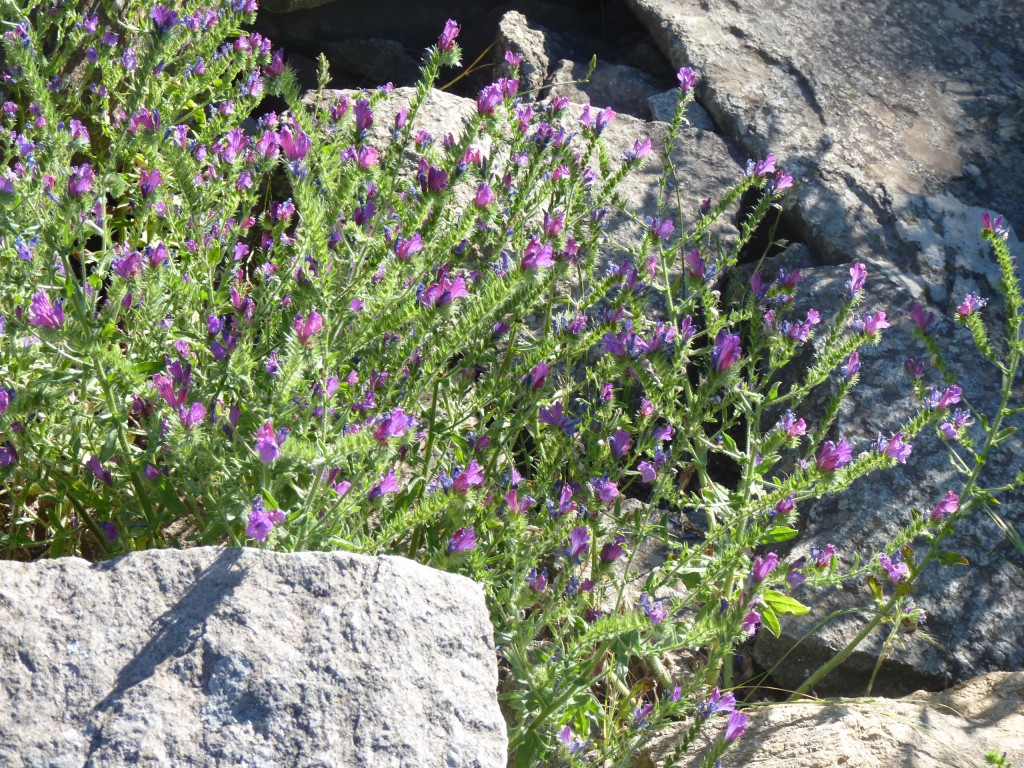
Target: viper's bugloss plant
{"x":312,"y":330}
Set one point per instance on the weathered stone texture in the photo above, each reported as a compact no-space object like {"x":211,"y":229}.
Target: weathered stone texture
{"x":218,"y":657}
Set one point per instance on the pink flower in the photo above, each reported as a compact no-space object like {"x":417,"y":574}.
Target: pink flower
{"x":834,"y":456}
{"x":446,"y":41}
{"x":44,"y":314}
{"x":537,"y":255}
{"x":921,"y":318}
{"x":687,"y":79}
{"x":462,"y":540}
{"x":268,"y":442}
{"x":726,"y":351}
{"x":471,"y":477}
{"x":306,"y":328}
{"x":396,"y":424}
{"x":946,"y":507}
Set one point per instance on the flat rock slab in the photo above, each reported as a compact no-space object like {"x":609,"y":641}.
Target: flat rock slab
{"x":875,"y":108}
{"x":925,"y":730}
{"x":239,"y":657}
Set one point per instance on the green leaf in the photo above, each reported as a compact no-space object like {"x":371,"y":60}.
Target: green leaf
{"x":876,"y":588}
{"x":777,"y":534}
{"x":951,"y":558}
{"x":1003,"y":434}
{"x":150,"y":367}
{"x":781,"y":603}
{"x":770,"y":620}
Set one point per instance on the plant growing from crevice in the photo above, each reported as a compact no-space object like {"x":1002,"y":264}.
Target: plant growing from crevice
{"x":301,"y":331}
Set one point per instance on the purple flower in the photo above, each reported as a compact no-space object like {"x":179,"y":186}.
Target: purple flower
{"x":446,"y":41}
{"x":537,"y":376}
{"x":537,"y":255}
{"x":786,"y":505}
{"x":894,"y":447}
{"x":537,"y":580}
{"x":662,"y":228}
{"x":780,"y":182}
{"x":921,"y":318}
{"x":761,"y":167}
{"x":484,"y":196}
{"x":996,"y":226}
{"x":396,"y":424}
{"x":851,"y":367}
{"x":823,"y":557}
{"x":648,"y":472}
{"x":694,"y":263}
{"x":404,"y":249}
{"x":792,"y":426}
{"x":388,"y":483}
{"x":607,"y":491}
{"x":488,"y":98}
{"x":750,"y":622}
{"x":44,"y":314}
{"x":858,"y":273}
{"x":726,"y":351}
{"x":462,"y":540}
{"x":764,"y":565}
{"x":8,"y":454}
{"x":654,"y":609}
{"x":971,"y":303}
{"x":894,"y":569}
{"x":794,"y":576}
{"x":937,"y":400}
{"x":432,"y":178}
{"x":471,"y":477}
{"x":262,"y":521}
{"x":80,"y":181}
{"x":579,"y":542}
{"x":103,"y":475}
{"x":192,"y":415}
{"x":444,"y":291}
{"x":305,"y":328}
{"x":687,"y":79}
{"x":949,"y":504}
{"x":952,"y":428}
{"x":640,"y":713}
{"x":620,"y":443}
{"x":149,"y":181}
{"x":715,"y":703}
{"x":834,"y":456}
{"x":642,"y":148}
{"x":363,"y":115}
{"x":870,"y":323}
{"x":294,"y":145}
{"x":736,"y":726}
{"x":268,"y":442}
{"x":612,"y":551}
{"x":915,"y":368}
{"x":566,"y":734}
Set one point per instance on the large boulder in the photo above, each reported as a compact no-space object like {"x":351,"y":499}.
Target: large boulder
{"x":209,"y":657}
{"x":975,"y":612}
{"x":889,"y":114}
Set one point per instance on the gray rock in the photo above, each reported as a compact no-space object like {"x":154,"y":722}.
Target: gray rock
{"x":662,"y":107}
{"x":210,"y":657}
{"x":975,"y":614}
{"x":874,"y":107}
{"x":624,"y":89}
{"x":518,"y":35}
{"x":925,"y":730}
